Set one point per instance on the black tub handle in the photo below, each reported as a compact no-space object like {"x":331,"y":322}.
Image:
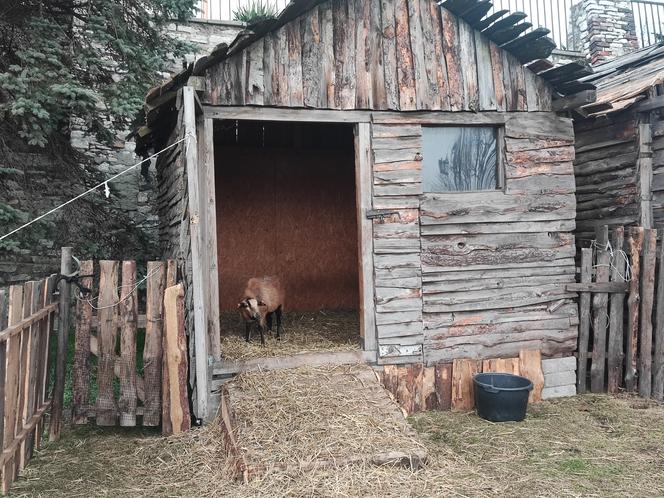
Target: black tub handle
{"x":491,"y":389}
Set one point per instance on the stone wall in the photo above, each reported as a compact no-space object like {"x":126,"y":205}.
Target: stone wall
{"x":603,"y":29}
{"x":135,"y":192}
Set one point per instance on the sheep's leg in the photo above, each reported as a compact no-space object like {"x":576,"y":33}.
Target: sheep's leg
{"x":261,"y":328}
{"x":278,"y":313}
{"x":269,"y":324}
{"x":247,"y":331}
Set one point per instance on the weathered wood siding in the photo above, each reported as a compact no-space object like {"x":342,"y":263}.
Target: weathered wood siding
{"x":658,"y":170}
{"x":607,"y":182}
{"x":475,"y":275}
{"x":389,"y":54}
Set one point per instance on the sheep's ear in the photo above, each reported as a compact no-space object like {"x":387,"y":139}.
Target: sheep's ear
{"x":239,"y":305}
{"x":261,"y":303}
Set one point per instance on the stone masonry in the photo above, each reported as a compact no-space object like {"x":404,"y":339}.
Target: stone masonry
{"x":134,"y":192}
{"x":603,"y":29}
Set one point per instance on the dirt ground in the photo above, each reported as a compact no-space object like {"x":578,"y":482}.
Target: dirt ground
{"x":327,"y":330}
{"x":585,"y":446}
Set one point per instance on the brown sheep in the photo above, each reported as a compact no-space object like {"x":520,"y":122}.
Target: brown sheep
{"x":262,"y":298}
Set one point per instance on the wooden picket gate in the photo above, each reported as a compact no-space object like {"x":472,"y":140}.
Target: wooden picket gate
{"x":27,"y":317}
{"x":618,"y":338}
{"x":107,"y":328}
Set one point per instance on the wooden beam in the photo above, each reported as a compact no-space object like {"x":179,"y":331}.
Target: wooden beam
{"x":197,"y":243}
{"x":651,"y":104}
{"x":281,"y":114}
{"x":35,"y":317}
{"x":574,"y":101}
{"x":645,"y":174}
{"x":232,"y":367}
{"x":441,"y":118}
{"x":363,"y":182}
{"x":608,"y":287}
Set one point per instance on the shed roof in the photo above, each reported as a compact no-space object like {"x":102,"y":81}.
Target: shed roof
{"x":624,"y":81}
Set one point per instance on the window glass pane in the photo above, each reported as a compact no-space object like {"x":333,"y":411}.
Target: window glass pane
{"x":459,"y":159}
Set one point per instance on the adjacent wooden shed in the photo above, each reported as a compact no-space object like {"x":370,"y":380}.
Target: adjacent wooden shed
{"x":619,"y":164}
{"x":396,"y":157}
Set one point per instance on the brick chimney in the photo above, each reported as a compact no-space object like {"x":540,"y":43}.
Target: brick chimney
{"x":603,"y":29}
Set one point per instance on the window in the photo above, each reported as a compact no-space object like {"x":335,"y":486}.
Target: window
{"x":460,"y":159}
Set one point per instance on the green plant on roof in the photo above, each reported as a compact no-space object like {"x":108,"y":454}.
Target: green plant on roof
{"x":256,"y":11}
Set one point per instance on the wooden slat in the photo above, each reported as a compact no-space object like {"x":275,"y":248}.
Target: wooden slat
{"x":429,"y":399}
{"x":600,"y":313}
{"x":426,"y":93}
{"x":128,"y":319}
{"x":635,"y":243}
{"x":615,"y":346}
{"x":530,"y":367}
{"x":31,"y":381}
{"x":647,"y":296}
{"x":166,"y":426}
{"x":81,"y":367}
{"x":645,"y":174}
{"x":106,"y":406}
{"x":388,"y":28}
{"x":175,"y":357}
{"x":597,"y":287}
{"x":4,"y":318}
{"x":152,"y":354}
{"x":444,"y":385}
{"x":658,"y":353}
{"x":462,"y":384}
{"x":405,"y":70}
{"x":584,"y":320}
{"x":15,"y":310}
{"x":468,"y":62}
{"x":24,"y":375}
{"x":451,"y":49}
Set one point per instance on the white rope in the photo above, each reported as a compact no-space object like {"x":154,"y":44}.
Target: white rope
{"x":102,"y":184}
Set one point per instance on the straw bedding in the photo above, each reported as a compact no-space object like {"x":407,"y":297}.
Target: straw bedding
{"x":295,"y":418}
{"x":302,"y":332}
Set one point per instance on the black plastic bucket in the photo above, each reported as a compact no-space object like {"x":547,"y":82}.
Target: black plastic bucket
{"x":501,"y":397}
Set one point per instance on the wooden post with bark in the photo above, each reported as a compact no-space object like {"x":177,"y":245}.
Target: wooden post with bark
{"x":600,"y":312}
{"x":61,"y":356}
{"x":635,"y":244}
{"x":647,"y":296}
{"x":616,"y":313}
{"x":584,"y":320}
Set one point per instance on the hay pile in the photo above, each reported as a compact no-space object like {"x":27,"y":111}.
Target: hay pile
{"x":302,"y":332}
{"x":295,"y":418}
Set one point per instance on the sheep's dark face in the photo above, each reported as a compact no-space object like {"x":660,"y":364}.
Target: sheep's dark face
{"x":249,"y":310}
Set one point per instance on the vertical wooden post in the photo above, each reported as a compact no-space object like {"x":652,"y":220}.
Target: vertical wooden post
{"x":197,"y":255}
{"x":152,"y":354}
{"x":209,"y":200}
{"x":12,"y":383}
{"x":658,"y":367}
{"x":647,"y":296}
{"x":61,"y":356}
{"x":128,"y":322}
{"x":166,"y":425}
{"x":635,"y":244}
{"x":363,"y":188}
{"x":584,"y":320}
{"x":645,"y":174}
{"x":616,"y":313}
{"x":106,"y":409}
{"x":81,"y":367}
{"x":600,"y":313}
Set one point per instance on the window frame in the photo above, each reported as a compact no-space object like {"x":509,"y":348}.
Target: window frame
{"x":500,"y":157}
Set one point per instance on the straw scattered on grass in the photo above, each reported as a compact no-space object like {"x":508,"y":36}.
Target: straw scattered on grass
{"x":584,"y":446}
{"x":303,"y":332}
{"x":300,"y":416}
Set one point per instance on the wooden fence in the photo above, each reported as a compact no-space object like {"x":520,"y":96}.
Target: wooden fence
{"x":107,"y":325}
{"x":27,"y":317}
{"x":621,"y":317}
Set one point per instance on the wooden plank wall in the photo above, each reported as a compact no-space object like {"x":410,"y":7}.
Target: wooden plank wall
{"x":657,"y":128}
{"x":495,"y":264}
{"x":607,"y":186}
{"x":398,"y":55}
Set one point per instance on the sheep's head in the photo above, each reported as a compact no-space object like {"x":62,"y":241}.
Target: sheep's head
{"x":250,"y":309}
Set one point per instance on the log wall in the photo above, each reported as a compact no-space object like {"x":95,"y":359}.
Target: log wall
{"x":657,"y":129}
{"x":475,"y":275}
{"x":397,"y":55}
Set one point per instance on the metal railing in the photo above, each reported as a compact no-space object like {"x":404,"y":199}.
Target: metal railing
{"x":224,"y":10}
{"x":552,"y":14}
{"x":649,"y":20}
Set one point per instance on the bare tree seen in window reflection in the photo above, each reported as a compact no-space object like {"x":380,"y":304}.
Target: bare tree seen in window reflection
{"x":470,"y":164}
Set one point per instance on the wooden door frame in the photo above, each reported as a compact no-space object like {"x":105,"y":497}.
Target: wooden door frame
{"x":363,"y":188}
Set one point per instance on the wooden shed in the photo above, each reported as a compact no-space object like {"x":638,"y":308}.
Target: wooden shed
{"x":619,"y":162}
{"x":396,"y":158}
